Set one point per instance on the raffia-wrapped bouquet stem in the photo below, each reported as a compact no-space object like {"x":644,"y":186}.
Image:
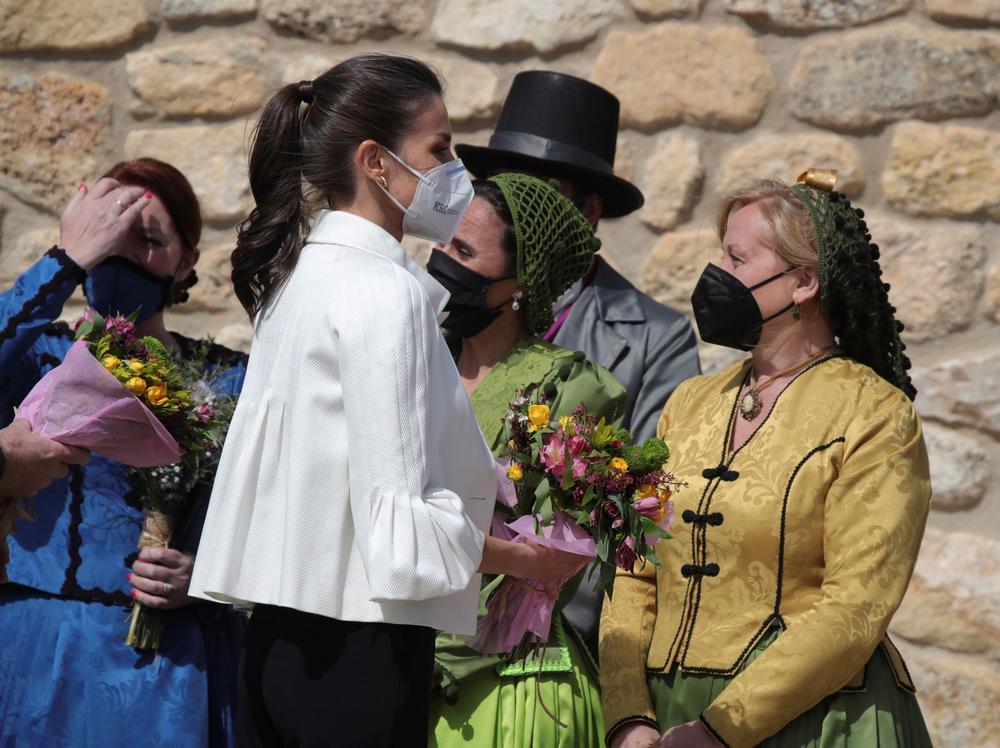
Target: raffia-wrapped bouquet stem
{"x":144,"y":623}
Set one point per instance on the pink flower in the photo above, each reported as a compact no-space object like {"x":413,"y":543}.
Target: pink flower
{"x":577,"y":445}
{"x":649,"y":506}
{"x":554,"y":455}
{"x":204,"y":412}
{"x":668,"y":516}
{"x":626,"y":555}
{"x":611,"y":509}
{"x":579,"y":468}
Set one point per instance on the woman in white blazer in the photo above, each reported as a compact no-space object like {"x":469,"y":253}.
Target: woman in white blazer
{"x":355,"y":491}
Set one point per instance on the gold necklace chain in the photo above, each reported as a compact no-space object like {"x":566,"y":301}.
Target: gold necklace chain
{"x":751,"y":403}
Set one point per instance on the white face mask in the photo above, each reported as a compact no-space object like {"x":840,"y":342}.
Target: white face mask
{"x":442,"y":197}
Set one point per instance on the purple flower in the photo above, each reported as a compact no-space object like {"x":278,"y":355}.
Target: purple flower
{"x":204,"y":412}
{"x":626,"y":555}
{"x":120,"y":325}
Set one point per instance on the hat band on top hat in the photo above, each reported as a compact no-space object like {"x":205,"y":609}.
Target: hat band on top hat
{"x":536,"y":146}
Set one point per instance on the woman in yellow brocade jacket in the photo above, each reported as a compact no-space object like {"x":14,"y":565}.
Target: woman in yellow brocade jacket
{"x":807,"y":494}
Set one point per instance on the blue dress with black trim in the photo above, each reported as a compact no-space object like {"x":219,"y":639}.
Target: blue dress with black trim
{"x":66,"y":676}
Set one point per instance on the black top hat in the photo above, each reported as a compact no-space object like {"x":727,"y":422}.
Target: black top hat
{"x":559,"y":126}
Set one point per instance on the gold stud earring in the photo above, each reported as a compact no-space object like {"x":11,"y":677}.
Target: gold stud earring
{"x":382,"y":181}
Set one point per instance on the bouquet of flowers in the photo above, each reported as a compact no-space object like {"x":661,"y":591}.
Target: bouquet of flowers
{"x":127,"y":398}
{"x":579,"y":485}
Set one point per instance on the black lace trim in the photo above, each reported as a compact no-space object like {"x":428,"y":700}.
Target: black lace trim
{"x":715,"y":734}
{"x":71,"y":587}
{"x":47,"y":359}
{"x":59,"y":329}
{"x":629,"y":720}
{"x":67,"y":270}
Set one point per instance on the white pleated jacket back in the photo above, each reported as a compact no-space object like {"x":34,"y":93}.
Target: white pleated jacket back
{"x":355,"y":482}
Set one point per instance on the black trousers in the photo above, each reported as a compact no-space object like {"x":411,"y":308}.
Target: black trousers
{"x":308,"y":680}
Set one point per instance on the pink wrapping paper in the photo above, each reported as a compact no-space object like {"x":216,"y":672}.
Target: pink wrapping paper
{"x":522,"y":606}
{"x":80,"y":404}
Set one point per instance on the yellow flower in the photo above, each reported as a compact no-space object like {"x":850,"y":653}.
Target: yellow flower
{"x":136,"y":385}
{"x":646,"y":490}
{"x":621,"y":466}
{"x":156,"y":395}
{"x":136,"y":366}
{"x":515,"y":473}
{"x":110,"y":362}
{"x":538,"y":415}
{"x":567,"y":425}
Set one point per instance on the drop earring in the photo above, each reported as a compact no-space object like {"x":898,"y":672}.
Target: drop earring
{"x":516,"y":305}
{"x":796,"y":312}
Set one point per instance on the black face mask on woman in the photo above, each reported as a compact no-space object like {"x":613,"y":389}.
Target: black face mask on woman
{"x":727,"y":312}
{"x":468,"y":312}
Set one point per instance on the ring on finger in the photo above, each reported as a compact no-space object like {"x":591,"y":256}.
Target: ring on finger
{"x":167,"y":588}
{"x":120,"y":204}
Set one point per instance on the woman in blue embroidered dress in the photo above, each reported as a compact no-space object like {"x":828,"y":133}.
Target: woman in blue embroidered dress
{"x":66,"y":676}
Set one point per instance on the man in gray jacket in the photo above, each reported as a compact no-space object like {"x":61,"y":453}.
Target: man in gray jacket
{"x":557,"y":126}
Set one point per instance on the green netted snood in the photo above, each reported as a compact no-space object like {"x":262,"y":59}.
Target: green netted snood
{"x":555,"y":244}
{"x":853,"y":298}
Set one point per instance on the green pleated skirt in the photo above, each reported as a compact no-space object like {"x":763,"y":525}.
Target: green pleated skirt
{"x":882,"y":715}
{"x":506,"y":711}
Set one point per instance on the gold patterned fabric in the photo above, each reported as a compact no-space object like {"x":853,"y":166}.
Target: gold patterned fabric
{"x":812,"y":527}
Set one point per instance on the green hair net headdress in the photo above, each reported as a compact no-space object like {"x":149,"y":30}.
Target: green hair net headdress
{"x":853,"y":298}
{"x":555,"y":243}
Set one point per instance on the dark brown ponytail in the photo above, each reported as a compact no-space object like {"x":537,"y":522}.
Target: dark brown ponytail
{"x":306,"y":139}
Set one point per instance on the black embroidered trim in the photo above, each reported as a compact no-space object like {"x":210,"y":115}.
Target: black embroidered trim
{"x":47,"y":359}
{"x":715,"y":519}
{"x":784,"y":514}
{"x":722,"y":471}
{"x":713,"y":731}
{"x":764,"y":629}
{"x":59,"y":329}
{"x":67,"y":269}
{"x":700,"y":570}
{"x":71,"y":587}
{"x":629,"y":720}
{"x":58,"y":254}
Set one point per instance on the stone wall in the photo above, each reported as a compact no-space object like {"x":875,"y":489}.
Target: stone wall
{"x":899,"y":95}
